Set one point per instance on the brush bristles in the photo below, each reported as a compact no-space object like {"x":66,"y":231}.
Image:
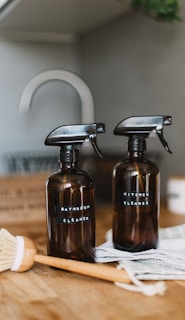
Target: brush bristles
{"x":8,"y":244}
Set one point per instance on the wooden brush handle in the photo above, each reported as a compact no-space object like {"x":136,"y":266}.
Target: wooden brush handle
{"x":95,"y":270}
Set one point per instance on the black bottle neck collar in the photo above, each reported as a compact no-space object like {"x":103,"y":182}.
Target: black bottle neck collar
{"x":136,"y":145}
{"x":69,"y":155}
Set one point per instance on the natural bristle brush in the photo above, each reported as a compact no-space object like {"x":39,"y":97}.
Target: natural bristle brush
{"x":19,"y":254}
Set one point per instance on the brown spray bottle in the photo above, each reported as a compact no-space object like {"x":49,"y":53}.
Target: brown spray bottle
{"x":136,"y":186}
{"x":70,"y":195}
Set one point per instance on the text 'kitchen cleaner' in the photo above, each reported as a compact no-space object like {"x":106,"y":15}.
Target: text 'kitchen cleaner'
{"x":136,"y":186}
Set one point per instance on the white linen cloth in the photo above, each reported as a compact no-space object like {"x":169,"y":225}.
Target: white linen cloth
{"x":167,"y":262}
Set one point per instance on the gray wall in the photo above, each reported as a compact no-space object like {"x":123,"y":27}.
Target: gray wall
{"x":136,"y":66}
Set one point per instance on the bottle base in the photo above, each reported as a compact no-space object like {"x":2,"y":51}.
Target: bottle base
{"x":72,"y":256}
{"x":135,"y":247}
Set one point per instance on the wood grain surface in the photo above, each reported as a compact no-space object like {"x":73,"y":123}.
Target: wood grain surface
{"x":48,"y":293}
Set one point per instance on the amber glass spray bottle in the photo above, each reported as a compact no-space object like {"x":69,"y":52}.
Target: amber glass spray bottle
{"x":70,"y":195}
{"x":136,"y":186}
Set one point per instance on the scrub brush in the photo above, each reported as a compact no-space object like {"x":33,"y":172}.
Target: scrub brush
{"x":19,"y":254}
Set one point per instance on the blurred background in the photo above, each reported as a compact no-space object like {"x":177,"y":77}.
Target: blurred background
{"x":132,"y":64}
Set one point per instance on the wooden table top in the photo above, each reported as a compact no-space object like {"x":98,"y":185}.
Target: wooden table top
{"x":47,"y":293}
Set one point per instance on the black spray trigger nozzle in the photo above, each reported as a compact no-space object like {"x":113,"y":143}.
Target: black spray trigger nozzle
{"x":73,"y":136}
{"x":142,"y":127}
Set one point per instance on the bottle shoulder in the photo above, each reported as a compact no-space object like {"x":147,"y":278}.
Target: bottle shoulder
{"x":77,"y":176}
{"x":137,"y":164}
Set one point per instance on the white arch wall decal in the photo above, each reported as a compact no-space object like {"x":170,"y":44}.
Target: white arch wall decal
{"x":87,"y":103}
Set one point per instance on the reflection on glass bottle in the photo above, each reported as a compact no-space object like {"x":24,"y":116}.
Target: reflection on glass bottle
{"x":71,"y":214}
{"x":136,"y":204}
{"x":136,"y":187}
{"x":70,"y":196}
